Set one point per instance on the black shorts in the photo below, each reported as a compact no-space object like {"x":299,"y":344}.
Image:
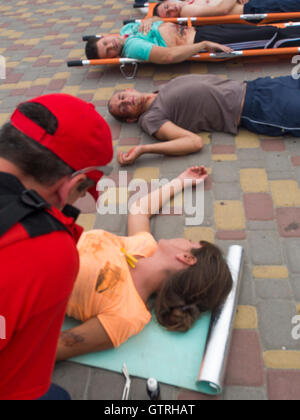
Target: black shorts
{"x":271,"y":6}
{"x":244,"y":37}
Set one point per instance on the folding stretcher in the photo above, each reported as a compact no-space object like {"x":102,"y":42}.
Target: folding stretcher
{"x":264,"y":18}
{"x":132,"y":63}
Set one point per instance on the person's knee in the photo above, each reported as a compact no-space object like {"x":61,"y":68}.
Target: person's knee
{"x":198,"y":143}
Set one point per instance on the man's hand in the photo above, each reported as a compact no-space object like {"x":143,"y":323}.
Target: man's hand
{"x":130,"y":157}
{"x":146,"y":25}
{"x":196,"y":175}
{"x":243,"y":2}
{"x":214,"y":47}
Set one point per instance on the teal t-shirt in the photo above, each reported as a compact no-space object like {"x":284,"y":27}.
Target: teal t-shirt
{"x":139,"y":45}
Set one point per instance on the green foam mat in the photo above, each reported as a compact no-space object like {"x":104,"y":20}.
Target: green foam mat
{"x":172,"y":358}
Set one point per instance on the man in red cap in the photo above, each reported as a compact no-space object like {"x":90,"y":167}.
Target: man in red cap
{"x":50,"y":155}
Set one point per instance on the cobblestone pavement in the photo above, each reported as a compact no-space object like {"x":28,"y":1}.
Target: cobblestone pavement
{"x":252,"y":195}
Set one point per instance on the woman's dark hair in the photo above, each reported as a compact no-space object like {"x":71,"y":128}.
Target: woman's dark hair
{"x":91,"y":49}
{"x":30,"y":157}
{"x":192,"y":292}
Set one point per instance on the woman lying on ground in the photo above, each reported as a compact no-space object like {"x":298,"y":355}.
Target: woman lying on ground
{"x":118,"y":275}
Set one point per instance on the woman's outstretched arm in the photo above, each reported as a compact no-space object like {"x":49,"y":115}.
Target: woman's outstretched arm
{"x":142,"y":210}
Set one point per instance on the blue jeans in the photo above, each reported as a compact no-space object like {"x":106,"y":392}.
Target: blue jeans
{"x":271,"y":6}
{"x":272,"y":107}
{"x":56,"y":393}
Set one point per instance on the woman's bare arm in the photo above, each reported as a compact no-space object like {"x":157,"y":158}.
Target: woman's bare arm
{"x":142,"y":211}
{"x":88,"y":337}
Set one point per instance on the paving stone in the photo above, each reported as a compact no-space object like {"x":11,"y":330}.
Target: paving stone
{"x":186,"y":395}
{"x":246,"y":318}
{"x":250,"y":158}
{"x":282,"y":359}
{"x":288,"y":222}
{"x":258,"y":206}
{"x":283,"y":385}
{"x":269,"y":272}
{"x":166,"y":227}
{"x":295,"y":283}
{"x":87,"y":221}
{"x":230,"y":235}
{"x":277,"y":162}
{"x":147,"y":174}
{"x":245,"y":346}
{"x":225,"y":172}
{"x":224,"y":158}
{"x":229,"y":215}
{"x":273,"y":145}
{"x":246,"y":140}
{"x":265,"y":248}
{"x":295,"y":160}
{"x":105,"y":385}
{"x":292,"y":249}
{"x":254,"y":180}
{"x":197,"y":234}
{"x":285,"y":193}
{"x":273,"y":289}
{"x":73,"y":378}
{"x":275,"y":319}
{"x":261,"y":226}
{"x":245,"y":394}
{"x":247,"y":289}
{"x":227,"y":191}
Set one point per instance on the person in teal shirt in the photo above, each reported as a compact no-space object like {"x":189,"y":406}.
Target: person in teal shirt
{"x":152,"y":40}
{"x":169,"y":43}
{"x":139,"y":44}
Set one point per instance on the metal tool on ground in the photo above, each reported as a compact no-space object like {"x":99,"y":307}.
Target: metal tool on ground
{"x":126,"y":391}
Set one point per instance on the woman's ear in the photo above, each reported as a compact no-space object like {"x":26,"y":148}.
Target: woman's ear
{"x":187,"y":259}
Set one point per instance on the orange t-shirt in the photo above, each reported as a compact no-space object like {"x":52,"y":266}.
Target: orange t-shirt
{"x":104,"y":287}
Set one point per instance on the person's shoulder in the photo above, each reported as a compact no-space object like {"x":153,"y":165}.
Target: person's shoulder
{"x":51,"y":260}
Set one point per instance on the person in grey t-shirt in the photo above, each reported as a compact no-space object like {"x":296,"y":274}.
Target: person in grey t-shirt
{"x":190,"y":104}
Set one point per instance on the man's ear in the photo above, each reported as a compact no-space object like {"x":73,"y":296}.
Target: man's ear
{"x":187,"y":259}
{"x":68,"y":189}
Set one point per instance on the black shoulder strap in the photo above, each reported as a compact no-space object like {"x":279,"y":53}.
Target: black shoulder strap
{"x":18,"y":209}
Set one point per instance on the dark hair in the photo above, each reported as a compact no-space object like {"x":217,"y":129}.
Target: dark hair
{"x":155,"y":10}
{"x":91,"y":49}
{"x":192,"y":292}
{"x":30,"y":157}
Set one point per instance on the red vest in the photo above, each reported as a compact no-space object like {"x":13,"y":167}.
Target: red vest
{"x":39,"y":265}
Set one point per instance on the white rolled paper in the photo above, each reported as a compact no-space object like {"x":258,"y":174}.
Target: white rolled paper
{"x":214,"y":363}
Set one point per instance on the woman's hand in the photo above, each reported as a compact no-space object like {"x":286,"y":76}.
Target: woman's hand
{"x":214,"y":47}
{"x":130,"y":157}
{"x":196,"y":175}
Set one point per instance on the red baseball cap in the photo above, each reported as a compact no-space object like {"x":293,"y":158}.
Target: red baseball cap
{"x":83,"y":138}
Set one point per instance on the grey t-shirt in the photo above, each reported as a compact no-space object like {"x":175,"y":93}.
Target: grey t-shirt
{"x":196,"y":103}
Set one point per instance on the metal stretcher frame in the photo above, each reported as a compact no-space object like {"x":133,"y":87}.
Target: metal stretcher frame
{"x":214,"y":20}
{"x":124,"y":63}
